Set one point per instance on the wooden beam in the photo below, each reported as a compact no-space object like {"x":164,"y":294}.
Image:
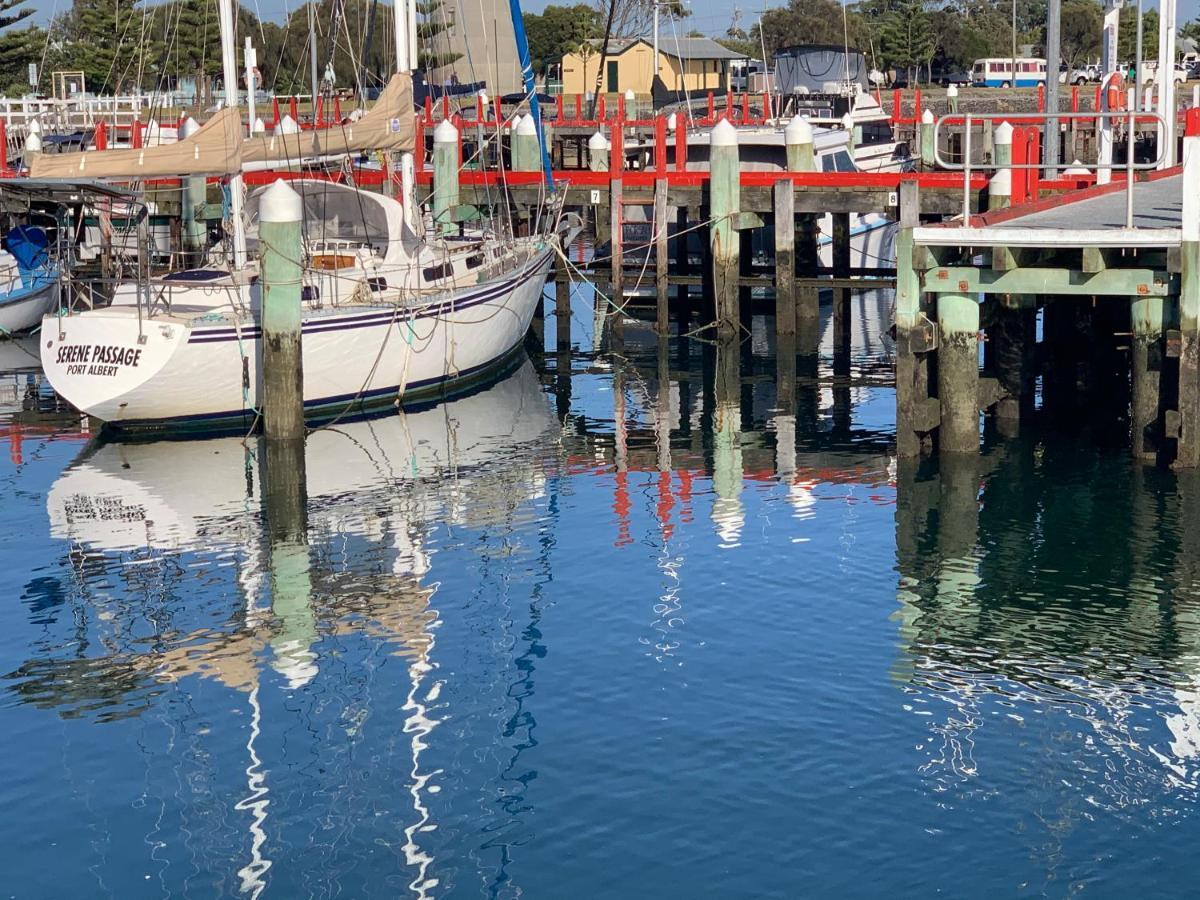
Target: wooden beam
{"x":1109,"y":283}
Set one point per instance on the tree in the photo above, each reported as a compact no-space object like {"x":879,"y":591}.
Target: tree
{"x":906,"y":35}
{"x":1081,"y":30}
{"x":1127,"y":36}
{"x":806,"y":22}
{"x":635,"y":18}
{"x":559,"y":30}
{"x":18,"y":46}
{"x":109,"y":41}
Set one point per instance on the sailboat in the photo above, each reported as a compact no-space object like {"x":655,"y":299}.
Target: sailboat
{"x":394,"y":309}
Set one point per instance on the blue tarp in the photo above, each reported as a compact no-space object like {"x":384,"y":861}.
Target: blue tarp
{"x":29,"y":246}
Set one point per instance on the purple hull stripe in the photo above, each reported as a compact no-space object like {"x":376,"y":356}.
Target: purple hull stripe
{"x":366,"y":320}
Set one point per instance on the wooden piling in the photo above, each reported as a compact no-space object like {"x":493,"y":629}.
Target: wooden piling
{"x":617,"y":243}
{"x":1188,"y":446}
{"x":724,"y":207}
{"x":562,"y":313}
{"x":841,"y":295}
{"x":661,"y":257}
{"x":1012,"y":342}
{"x":958,"y":373}
{"x":282,"y":404}
{"x":785,"y":258}
{"x":1148,"y":326}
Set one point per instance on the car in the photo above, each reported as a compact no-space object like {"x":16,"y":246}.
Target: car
{"x":953,"y":76}
{"x":1193,"y":70}
{"x":1085,"y":74}
{"x":1150,"y":72}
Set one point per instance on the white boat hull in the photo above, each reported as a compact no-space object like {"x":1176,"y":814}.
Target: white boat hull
{"x":203,"y":373}
{"x":23,"y":310}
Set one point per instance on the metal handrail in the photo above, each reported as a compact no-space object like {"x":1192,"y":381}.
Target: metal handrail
{"x":1130,"y":116}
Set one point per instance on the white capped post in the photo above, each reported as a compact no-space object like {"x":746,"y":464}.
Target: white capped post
{"x":1166,"y":83}
{"x":229,"y":71}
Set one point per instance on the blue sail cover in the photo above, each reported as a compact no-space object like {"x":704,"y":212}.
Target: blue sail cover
{"x":518,"y":21}
{"x":30,"y":247}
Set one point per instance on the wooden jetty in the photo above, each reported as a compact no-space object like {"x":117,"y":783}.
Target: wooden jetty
{"x":1115,"y":278}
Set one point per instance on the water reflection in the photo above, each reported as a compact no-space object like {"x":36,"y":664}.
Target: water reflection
{"x":294,"y":523}
{"x":1039,"y":580}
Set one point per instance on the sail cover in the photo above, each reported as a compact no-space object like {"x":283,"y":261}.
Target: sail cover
{"x":818,"y":68}
{"x":214,"y":149}
{"x":389,"y":125}
{"x":473,"y":40}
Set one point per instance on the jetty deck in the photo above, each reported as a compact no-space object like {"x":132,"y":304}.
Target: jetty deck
{"x":1108,"y":280}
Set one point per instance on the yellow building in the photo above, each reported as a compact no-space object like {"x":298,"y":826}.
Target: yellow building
{"x":685,"y":64}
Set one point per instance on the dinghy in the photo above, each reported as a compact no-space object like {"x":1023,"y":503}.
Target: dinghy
{"x":29,"y":280}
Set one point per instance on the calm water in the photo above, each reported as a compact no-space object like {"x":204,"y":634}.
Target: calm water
{"x":611,"y":636}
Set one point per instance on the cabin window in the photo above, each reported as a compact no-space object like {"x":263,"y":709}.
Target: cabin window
{"x":876,"y":133}
{"x":436,"y":273}
{"x":837,"y":162}
{"x":377,"y":284}
{"x":474,"y":262}
{"x":310,"y":293}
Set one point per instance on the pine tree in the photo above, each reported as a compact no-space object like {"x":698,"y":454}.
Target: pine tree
{"x":906,"y":35}
{"x":18,"y":46}
{"x":433,"y":46}
{"x":193,"y":41}
{"x":104,"y":40}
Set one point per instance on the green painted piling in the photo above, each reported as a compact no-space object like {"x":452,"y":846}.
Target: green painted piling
{"x":853,"y":134}
{"x":285,"y":512}
{"x":526,"y":155}
{"x":1000,"y":184}
{"x":728,"y":470}
{"x":1002,"y":141}
{"x":724,"y":206}
{"x":798,"y":139}
{"x":1000,"y":190}
{"x":928,"y":154}
{"x":281,"y":249}
{"x":445,"y":174}
{"x":958,"y":373}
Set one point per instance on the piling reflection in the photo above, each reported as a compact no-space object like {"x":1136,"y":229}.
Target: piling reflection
{"x":1035,"y":580}
{"x":309,"y":584}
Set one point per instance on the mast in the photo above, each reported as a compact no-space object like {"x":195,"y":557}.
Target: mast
{"x":406,"y":57}
{"x":518,"y":21}
{"x":312,"y":53}
{"x":229,"y":67}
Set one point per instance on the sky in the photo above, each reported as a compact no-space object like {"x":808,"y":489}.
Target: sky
{"x":709,"y":16}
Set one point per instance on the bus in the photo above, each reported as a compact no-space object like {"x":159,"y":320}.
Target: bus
{"x":999,"y":72}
